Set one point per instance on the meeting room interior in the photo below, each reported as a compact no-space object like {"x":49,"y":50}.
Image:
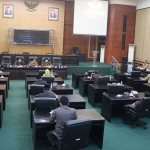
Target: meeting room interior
{"x":90,"y":57}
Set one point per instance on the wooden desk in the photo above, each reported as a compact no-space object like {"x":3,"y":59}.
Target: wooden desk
{"x":121,"y":76}
{"x":75,"y":101}
{"x":96,"y":91}
{"x":30,"y":80}
{"x":111,"y":105}
{"x":146,"y":87}
{"x":41,"y":125}
{"x":75,"y":78}
{"x":60,"y":90}
{"x":5,"y":81}
{"x":35,"y":74}
{"x":1,"y":110}
{"x":6,"y":74}
{"x":83,"y":85}
{"x":3,"y":92}
{"x":19,"y":73}
{"x":136,"y":83}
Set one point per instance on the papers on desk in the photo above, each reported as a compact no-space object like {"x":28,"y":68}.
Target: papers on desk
{"x":88,"y":77}
{"x":141,"y":78}
{"x":19,"y":66}
{"x":119,"y":95}
{"x":63,"y":85}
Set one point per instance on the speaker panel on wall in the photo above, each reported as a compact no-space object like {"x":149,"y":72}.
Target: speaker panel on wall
{"x":123,"y":41}
{"x":124,"y":23}
{"x":131,"y":53}
{"x":124,"y":64}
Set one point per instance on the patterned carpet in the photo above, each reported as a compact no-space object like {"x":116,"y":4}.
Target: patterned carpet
{"x":16,"y":133}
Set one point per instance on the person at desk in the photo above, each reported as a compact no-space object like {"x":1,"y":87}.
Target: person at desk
{"x":39,"y":81}
{"x":135,"y":105}
{"x":95,"y":76}
{"x":148,"y":78}
{"x":48,"y":73}
{"x":61,"y":114}
{"x":19,"y":62}
{"x":48,"y":93}
{"x":47,"y":63}
{"x":145,"y":65}
{"x":33,"y":63}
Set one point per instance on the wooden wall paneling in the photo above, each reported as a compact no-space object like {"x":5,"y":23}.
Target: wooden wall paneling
{"x":115,"y":31}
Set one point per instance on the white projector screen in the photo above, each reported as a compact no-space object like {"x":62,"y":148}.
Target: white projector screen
{"x":88,"y":25}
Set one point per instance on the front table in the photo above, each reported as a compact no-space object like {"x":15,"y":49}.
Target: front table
{"x":111,"y":105}
{"x":41,"y":125}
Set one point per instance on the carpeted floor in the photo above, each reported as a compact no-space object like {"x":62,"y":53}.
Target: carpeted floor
{"x":16,"y":133}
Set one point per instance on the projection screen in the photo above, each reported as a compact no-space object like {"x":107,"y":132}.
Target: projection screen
{"x":90,"y":24}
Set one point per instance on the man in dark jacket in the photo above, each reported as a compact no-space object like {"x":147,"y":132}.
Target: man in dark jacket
{"x":48,"y":93}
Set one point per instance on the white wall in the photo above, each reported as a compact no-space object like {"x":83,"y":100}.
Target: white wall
{"x":143,"y":4}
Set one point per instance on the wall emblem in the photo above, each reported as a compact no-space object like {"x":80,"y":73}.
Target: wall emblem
{"x":31,"y":5}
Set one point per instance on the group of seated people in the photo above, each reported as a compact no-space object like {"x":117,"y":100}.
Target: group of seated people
{"x":144,"y":66}
{"x":33,"y":63}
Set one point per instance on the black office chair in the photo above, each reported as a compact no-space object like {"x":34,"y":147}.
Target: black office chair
{"x":30,"y":58}
{"x":41,"y":72}
{"x":19,"y":57}
{"x":57,"y":61}
{"x":49,"y":80}
{"x":141,"y":112}
{"x":25,"y":53}
{"x":75,"y":50}
{"x":45,"y":104}
{"x":43,"y":59}
{"x":115,"y":89}
{"x":6,"y":61}
{"x":36,"y":89}
{"x":75,"y":135}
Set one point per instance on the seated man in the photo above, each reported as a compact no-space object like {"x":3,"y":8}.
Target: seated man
{"x":39,"y":81}
{"x":33,"y":63}
{"x":61,"y":114}
{"x":48,"y":93}
{"x":19,"y":62}
{"x":46,"y":63}
{"x":135,"y":105}
{"x":95,"y":76}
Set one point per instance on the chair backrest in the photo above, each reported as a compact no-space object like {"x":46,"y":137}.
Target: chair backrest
{"x":56,"y":61}
{"x":41,"y":72}
{"x":36,"y":89}
{"x":19,"y":57}
{"x":6,"y":61}
{"x":115,"y":89}
{"x":45,"y":104}
{"x":76,"y":134}
{"x":75,"y":50}
{"x":43,"y":59}
{"x":135,"y":74}
{"x":103,"y":80}
{"x":25,"y":53}
{"x":30,"y":58}
{"x":5,"y":53}
{"x":49,"y":80}
{"x":144,"y":108}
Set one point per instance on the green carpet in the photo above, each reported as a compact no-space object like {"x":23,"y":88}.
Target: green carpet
{"x":85,"y":66}
{"x":16,"y":133}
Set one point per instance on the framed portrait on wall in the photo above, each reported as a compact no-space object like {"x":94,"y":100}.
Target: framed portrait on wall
{"x":8,"y":11}
{"x":53,"y":13}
